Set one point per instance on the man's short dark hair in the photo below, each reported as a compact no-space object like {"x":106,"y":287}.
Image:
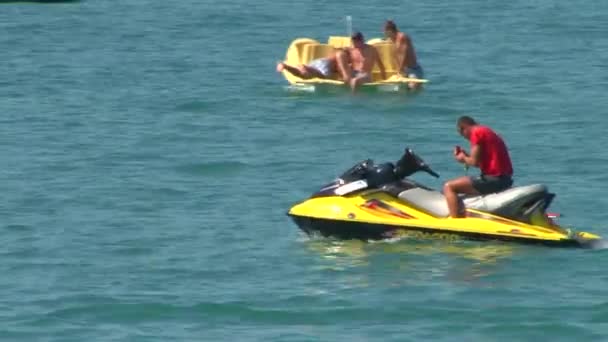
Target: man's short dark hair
{"x":466,"y":120}
{"x":357,"y":36}
{"x":390,"y":25}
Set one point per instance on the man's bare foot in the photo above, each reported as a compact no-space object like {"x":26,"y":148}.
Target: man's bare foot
{"x":280,"y":67}
{"x":413,"y":86}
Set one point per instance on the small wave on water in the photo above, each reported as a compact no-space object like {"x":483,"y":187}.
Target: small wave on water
{"x":219,"y":168}
{"x":112,"y":310}
{"x":193,"y":106}
{"x":207,"y":105}
{"x":341,"y":255}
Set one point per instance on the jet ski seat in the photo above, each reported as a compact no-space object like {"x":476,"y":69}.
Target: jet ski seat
{"x":430,"y":201}
{"x":434,"y":203}
{"x":513,"y":197}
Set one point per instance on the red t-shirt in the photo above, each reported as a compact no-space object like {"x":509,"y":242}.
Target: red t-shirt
{"x":494,"y":159}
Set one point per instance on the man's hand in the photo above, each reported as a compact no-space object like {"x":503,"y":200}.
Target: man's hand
{"x":459,"y":154}
{"x":460,"y":157}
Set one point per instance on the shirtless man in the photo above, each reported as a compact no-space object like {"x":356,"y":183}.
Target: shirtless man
{"x":405,"y":55}
{"x":363,"y":57}
{"x":324,"y":67}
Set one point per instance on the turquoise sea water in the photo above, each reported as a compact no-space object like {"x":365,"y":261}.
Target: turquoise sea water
{"x":150,"y":152}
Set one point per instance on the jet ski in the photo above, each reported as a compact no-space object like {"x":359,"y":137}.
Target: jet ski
{"x":377,"y":201}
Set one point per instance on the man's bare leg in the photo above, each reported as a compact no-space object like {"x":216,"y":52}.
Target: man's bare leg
{"x":452,"y":188}
{"x":310,"y":72}
{"x":299,"y":72}
{"x":358,"y":80}
{"x":302,"y":71}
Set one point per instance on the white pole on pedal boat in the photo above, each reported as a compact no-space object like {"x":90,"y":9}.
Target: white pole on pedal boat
{"x":349,"y":25}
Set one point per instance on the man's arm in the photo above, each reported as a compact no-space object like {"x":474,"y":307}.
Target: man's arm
{"x":402,"y":49}
{"x":473,"y":159}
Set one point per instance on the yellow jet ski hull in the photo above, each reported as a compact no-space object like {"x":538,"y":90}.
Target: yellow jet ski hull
{"x":372,"y":215}
{"x":304,"y":50}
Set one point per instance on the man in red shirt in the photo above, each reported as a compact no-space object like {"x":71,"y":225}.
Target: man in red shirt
{"x":489,"y":153}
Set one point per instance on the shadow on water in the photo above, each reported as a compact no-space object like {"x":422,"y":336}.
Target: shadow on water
{"x":334,"y":90}
{"x":486,"y":252}
{"x":467,"y":262}
{"x":365,"y":96}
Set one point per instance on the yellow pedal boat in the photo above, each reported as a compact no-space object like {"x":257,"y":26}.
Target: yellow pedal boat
{"x":304,"y":50}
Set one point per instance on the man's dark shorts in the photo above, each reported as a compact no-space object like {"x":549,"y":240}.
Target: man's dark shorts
{"x":491,"y":184}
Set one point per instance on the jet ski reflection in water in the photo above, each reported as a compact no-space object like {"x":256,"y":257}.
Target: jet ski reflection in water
{"x":376,"y":201}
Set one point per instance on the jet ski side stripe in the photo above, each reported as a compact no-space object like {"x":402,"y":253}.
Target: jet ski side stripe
{"x":370,"y":231}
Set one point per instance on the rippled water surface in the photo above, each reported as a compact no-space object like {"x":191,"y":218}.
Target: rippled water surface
{"x":150,"y":152}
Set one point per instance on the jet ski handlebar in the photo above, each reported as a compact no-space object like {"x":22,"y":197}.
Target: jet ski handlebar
{"x":377,"y":174}
{"x":430,"y":171}
{"x":410,"y":163}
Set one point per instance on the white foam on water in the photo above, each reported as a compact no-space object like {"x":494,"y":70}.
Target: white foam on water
{"x":598,"y":244}
{"x":301,"y":88}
